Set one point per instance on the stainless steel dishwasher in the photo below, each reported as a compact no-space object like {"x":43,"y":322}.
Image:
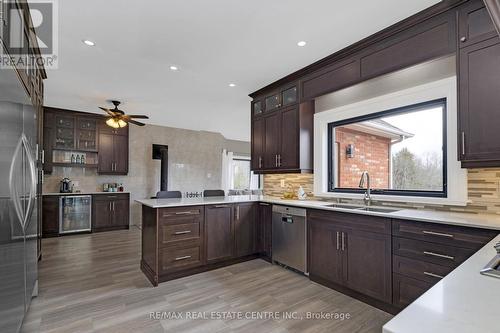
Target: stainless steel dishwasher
{"x":289,"y":237}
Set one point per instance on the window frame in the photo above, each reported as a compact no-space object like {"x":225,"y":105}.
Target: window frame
{"x":442,"y":102}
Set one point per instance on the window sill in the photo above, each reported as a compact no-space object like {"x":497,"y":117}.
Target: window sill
{"x":395,"y":198}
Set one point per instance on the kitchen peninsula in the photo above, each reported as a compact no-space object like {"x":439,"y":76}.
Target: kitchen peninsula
{"x":182,"y":237}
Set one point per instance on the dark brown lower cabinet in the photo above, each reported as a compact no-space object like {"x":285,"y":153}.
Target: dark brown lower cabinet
{"x":181,"y":241}
{"x":50,"y":215}
{"x":219,"y":232}
{"x":110,"y":211}
{"x":406,"y":290}
{"x":325,"y":259}
{"x":344,"y":251}
{"x":244,"y":229}
{"x":424,"y":253}
{"x":264,"y":225}
{"x":367,"y":263}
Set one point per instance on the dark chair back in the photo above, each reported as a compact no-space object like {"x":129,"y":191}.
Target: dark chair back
{"x":213,"y":193}
{"x":168,"y":194}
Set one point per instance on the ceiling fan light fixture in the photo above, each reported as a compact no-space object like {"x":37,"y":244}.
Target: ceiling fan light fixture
{"x":112,"y":122}
{"x":121,"y":123}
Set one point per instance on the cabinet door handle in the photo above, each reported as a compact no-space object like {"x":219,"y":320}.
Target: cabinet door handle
{"x":180,"y":213}
{"x":279,"y":160}
{"x":440,"y":234}
{"x":444,"y":256}
{"x":110,"y":205}
{"x":113,"y":206}
{"x":276,"y":160}
{"x":182,"y":232}
{"x":221,"y":206}
{"x":338,"y":240}
{"x":463,"y":39}
{"x":434,"y":275}
{"x":260,"y":162}
{"x":182,"y":258}
{"x":343,"y":241}
{"x":463,"y":143}
{"x":264,"y":204}
{"x":237,"y":217}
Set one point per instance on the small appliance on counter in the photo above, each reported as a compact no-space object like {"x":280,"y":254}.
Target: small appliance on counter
{"x":493,"y":267}
{"x":66,"y":186}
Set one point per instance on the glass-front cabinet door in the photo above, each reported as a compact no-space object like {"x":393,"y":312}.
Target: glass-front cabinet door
{"x":87,"y":134}
{"x":289,"y":96}
{"x":272,"y":102}
{"x":65,"y":136}
{"x":257,"y":108}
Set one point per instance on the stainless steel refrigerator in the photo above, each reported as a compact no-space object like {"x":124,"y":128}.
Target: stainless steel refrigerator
{"x":18,"y":202}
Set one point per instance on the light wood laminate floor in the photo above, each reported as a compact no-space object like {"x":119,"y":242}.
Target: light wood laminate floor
{"x":92,"y":283}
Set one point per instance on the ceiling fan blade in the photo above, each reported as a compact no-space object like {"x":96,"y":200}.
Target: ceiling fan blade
{"x":134,"y":122}
{"x":108,"y":111}
{"x":138,"y":116}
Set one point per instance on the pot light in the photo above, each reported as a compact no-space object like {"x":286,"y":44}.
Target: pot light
{"x":301,"y":43}
{"x":174,"y":68}
{"x":88,"y":42}
{"x":232,"y":85}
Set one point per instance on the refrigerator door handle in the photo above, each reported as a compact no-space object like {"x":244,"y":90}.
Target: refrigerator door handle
{"x":32,"y":182}
{"x":14,"y":193}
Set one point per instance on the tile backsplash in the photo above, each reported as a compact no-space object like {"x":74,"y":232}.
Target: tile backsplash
{"x":483,"y":190}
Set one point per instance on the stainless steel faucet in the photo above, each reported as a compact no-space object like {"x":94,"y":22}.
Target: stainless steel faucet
{"x":367,"y":199}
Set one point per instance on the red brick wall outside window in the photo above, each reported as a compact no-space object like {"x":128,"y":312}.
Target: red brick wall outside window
{"x":371,"y":153}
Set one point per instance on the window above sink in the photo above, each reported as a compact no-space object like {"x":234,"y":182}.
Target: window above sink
{"x":420,"y":123}
{"x":403,"y":150}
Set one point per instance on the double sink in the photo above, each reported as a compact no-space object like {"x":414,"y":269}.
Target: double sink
{"x":377,"y":209}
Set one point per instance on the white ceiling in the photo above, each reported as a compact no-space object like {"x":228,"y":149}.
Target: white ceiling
{"x":214,"y":43}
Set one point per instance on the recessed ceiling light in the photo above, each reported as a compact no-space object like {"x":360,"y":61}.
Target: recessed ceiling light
{"x":301,"y":43}
{"x":88,"y":42}
{"x":174,"y":68}
{"x":232,"y":85}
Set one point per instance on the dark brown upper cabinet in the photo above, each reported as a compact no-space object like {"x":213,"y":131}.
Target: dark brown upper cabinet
{"x":474,"y":23}
{"x":113,"y":151}
{"x":86,"y":133}
{"x":257,"y":107}
{"x":282,"y":140}
{"x":284,"y":96}
{"x":479,"y":99}
{"x":330,"y":78}
{"x":64,"y":130}
{"x":429,"y":40}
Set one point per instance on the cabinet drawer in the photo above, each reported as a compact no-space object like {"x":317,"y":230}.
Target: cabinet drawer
{"x":173,"y":258}
{"x":179,"y":212}
{"x":445,"y":255}
{"x":355,"y":221}
{"x":110,"y":197}
{"x":177,"y":232}
{"x":418,"y":269}
{"x":406,"y":290}
{"x":470,"y":238}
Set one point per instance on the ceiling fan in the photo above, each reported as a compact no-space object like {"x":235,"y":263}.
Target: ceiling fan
{"x":118,"y":118}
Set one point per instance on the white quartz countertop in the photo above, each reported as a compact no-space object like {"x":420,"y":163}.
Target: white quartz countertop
{"x":463,"y":302}
{"x":486,"y":221}
{"x":82,"y":193}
